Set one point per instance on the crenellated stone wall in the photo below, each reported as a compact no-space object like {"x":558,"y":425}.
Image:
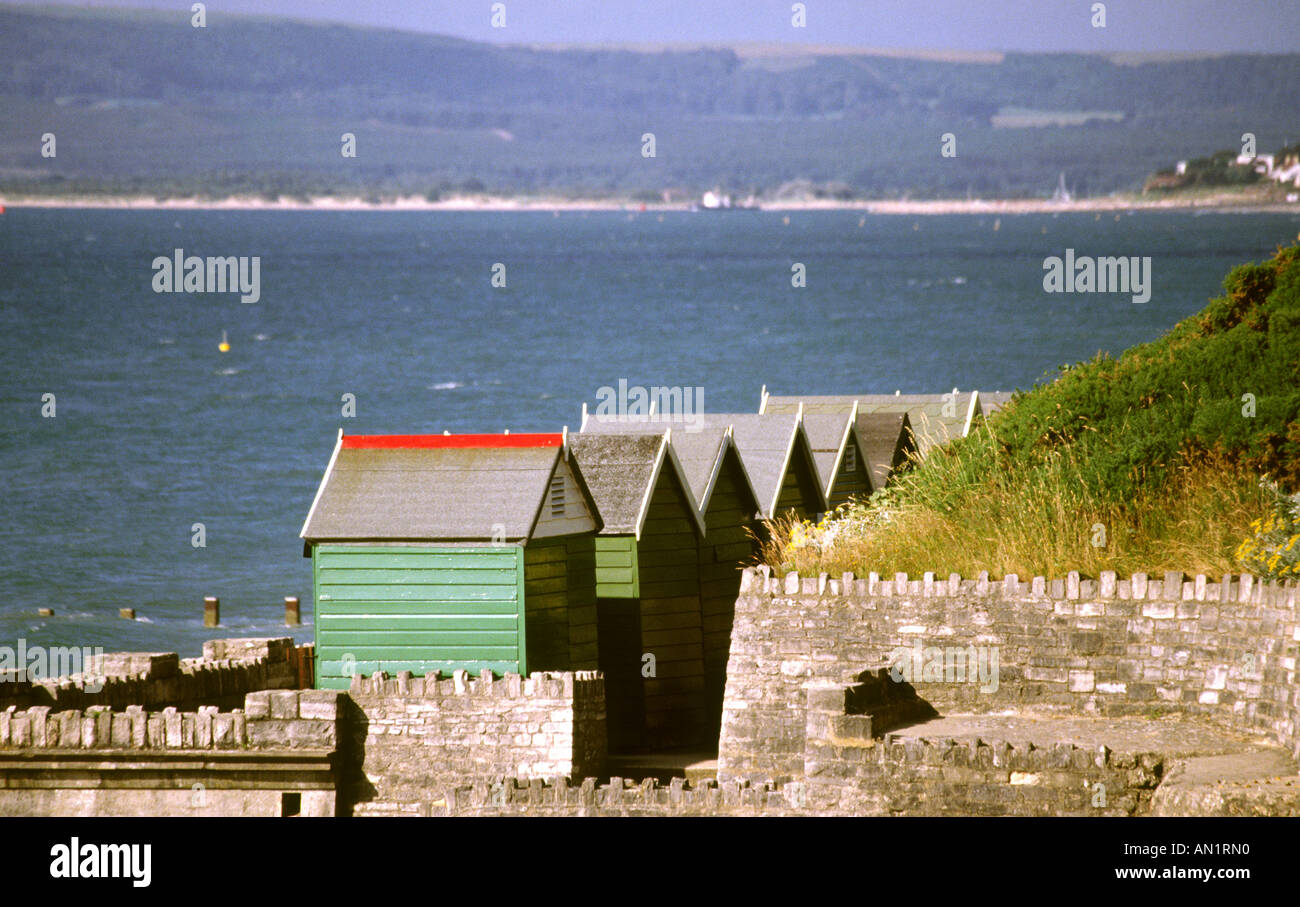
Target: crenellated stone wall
{"x":618,"y":797}
{"x":276,"y":756}
{"x":1221,"y":651}
{"x":415,"y":736}
{"x":228,"y":671}
{"x":1107,"y":697}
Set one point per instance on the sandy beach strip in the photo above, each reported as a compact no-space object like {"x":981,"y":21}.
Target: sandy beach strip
{"x":544,"y":204}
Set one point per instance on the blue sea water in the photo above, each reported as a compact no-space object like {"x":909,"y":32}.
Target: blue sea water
{"x":156,"y":430}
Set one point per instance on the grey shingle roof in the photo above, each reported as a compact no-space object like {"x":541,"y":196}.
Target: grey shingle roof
{"x":826,"y":433}
{"x":926,"y":411}
{"x":431,"y":494}
{"x":881,"y":435}
{"x":620,"y":469}
{"x":699,"y":449}
{"x":766,"y":444}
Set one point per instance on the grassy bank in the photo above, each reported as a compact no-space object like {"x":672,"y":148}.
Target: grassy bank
{"x":1169,"y":457}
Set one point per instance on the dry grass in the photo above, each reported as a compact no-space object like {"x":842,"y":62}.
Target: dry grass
{"x":1031,"y":522}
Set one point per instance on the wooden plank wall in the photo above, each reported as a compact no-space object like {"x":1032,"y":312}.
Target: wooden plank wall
{"x":616,"y":568}
{"x":583,"y":631}
{"x":724,"y":551}
{"x":855,"y":484}
{"x":411,"y":608}
{"x":546,"y":614}
{"x":671,"y":620}
{"x":797,"y":486}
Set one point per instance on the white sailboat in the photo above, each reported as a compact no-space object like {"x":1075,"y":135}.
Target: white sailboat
{"x":1062,"y":194}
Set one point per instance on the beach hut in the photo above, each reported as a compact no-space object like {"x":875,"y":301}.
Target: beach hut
{"x":729,"y":510}
{"x":778,"y":460}
{"x":647,"y":588}
{"x":842,"y":463}
{"x":437,"y":552}
{"x":935,"y":418}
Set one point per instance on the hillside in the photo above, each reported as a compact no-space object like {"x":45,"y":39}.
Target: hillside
{"x":143,"y":102}
{"x":1168,"y":457}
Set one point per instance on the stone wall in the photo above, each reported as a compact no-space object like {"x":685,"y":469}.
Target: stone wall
{"x":855,"y":765}
{"x":852,"y":773}
{"x":275,"y":754}
{"x":388,"y":746}
{"x":619,"y":797}
{"x":1223,"y":651}
{"x":228,"y":671}
{"x":270,"y":719}
{"x":413,"y":737}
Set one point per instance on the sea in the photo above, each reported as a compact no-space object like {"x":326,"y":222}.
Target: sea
{"x":128,"y":436}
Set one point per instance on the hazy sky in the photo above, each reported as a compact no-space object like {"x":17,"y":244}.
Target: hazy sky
{"x":1030,"y":25}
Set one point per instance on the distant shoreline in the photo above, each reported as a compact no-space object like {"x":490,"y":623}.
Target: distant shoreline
{"x":1222,"y":202}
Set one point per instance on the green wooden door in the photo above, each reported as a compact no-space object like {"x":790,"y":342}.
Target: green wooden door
{"x":417,"y":608}
{"x":617,"y":573}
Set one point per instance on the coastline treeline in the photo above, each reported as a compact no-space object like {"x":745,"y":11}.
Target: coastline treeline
{"x":142,"y":103}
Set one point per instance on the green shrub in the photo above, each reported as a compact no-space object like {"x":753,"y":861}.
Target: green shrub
{"x":1163,"y":446}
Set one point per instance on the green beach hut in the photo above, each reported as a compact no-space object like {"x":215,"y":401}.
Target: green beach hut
{"x":437,"y":552}
{"x":647,"y":588}
{"x":729,"y":511}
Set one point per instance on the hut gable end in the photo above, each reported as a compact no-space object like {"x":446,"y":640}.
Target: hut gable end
{"x":625,"y":472}
{"x":777,"y":459}
{"x":566,"y":509}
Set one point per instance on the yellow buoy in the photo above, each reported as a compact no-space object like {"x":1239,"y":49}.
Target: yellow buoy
{"x":224,"y":345}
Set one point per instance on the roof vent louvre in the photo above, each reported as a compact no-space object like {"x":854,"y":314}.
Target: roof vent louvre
{"x":557,"y":496}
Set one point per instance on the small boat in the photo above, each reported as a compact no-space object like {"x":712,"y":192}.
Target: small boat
{"x":716,"y":200}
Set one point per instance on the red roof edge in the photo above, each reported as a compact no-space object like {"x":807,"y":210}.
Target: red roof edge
{"x":400,"y":442}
